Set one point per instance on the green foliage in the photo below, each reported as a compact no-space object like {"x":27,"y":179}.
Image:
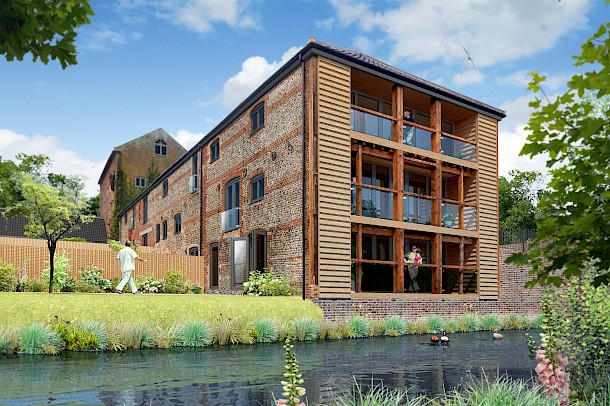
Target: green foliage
{"x":518,"y":197}
{"x":574,"y":220}
{"x":451,"y":326}
{"x":267,"y":284}
{"x":8,"y":281}
{"x":92,"y":276}
{"x":92,"y":205}
{"x":149,"y":284}
{"x":306,"y":329}
{"x":376,"y":328}
{"x":34,"y":285}
{"x":196,"y":289}
{"x":39,"y":338}
{"x":164,"y":337}
{"x":395,"y":326}
{"x":435,"y":324}
{"x":491,"y":322}
{"x":124,"y":193}
{"x":265,"y":331}
{"x":174,"y":283}
{"x":61,"y":278}
{"x":87,"y":336}
{"x":512,"y":322}
{"x":45,"y":29}
{"x":75,"y":239}
{"x":360,"y":326}
{"x":468,"y":322}
{"x":290,"y":386}
{"x":378,"y":395}
{"x":10,"y":173}
{"x":194,"y":334}
{"x":580,"y":321}
{"x":8,"y":340}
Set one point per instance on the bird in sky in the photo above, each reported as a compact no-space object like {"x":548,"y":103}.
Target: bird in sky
{"x":469,"y":58}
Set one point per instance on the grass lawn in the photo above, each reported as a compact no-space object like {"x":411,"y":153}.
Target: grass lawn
{"x":153,"y":309}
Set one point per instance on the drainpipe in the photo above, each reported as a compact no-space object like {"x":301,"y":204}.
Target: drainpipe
{"x":304,"y":169}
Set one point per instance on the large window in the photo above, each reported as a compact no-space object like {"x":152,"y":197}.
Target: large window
{"x":214,"y":265}
{"x":214,"y":150}
{"x":194,"y":173}
{"x":160,"y":148}
{"x":145,"y":209}
{"x":158,"y":233}
{"x":257,"y":188}
{"x":258,"y":117}
{"x":145,"y":240}
{"x":177,"y":224}
{"x":258,"y":250}
{"x":165,"y":229}
{"x":239,"y":262}
{"x":232,"y":194}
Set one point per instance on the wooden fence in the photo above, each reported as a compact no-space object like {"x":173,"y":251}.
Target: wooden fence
{"x":33,"y":256}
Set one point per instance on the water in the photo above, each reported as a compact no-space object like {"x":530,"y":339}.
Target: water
{"x":247,"y":375}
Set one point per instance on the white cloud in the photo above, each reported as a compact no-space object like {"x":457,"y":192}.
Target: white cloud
{"x":468,"y":77}
{"x":493,"y":31}
{"x":254,"y":71}
{"x":63,"y":161}
{"x":510,"y":144}
{"x":188,"y":139}
{"x":102,"y":39}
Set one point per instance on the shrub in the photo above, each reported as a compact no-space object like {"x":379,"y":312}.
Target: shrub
{"x":265,"y":331}
{"x":512,"y":322}
{"x":359,"y":326}
{"x":92,"y":276}
{"x":8,"y":340}
{"x":378,"y":395}
{"x":39,"y":338}
{"x":196,"y":289}
{"x":88,"y":336}
{"x":267,"y":284}
{"x":395,"y":326}
{"x":130,"y":336}
{"x":34,"y":285}
{"x":221,"y":329}
{"x":74,"y":239}
{"x":61,"y":269}
{"x":468,"y":322}
{"x":174,"y":283}
{"x":451,"y":327}
{"x":150,"y":285}
{"x":435,"y":324}
{"x":491,"y":322}
{"x":194,"y":334}
{"x":305,"y":329}
{"x":377,"y":328}
{"x":8,"y":282}
{"x":164,"y":337}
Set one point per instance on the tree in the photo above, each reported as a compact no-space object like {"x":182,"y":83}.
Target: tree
{"x":51,"y":213}
{"x":574,"y":129}
{"x":10,"y":171}
{"x":92,"y":206}
{"x":519,"y":196}
{"x":44,"y":28}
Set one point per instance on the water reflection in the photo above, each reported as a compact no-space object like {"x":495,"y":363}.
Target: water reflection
{"x":247,"y":375}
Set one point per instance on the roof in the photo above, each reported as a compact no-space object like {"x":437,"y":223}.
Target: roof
{"x":92,"y":232}
{"x":345,"y":56}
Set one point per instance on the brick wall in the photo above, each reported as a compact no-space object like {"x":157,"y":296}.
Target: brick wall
{"x":514,"y":299}
{"x":107,"y":193}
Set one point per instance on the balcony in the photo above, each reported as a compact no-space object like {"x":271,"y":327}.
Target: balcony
{"x":229,"y":220}
{"x":371,"y":124}
{"x":417,"y":209}
{"x":377,"y":203}
{"x":416,"y":137}
{"x":451,"y":215}
{"x":458,"y":149}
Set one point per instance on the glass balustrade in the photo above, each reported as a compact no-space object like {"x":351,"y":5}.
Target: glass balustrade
{"x":377,"y":204}
{"x":458,"y":149}
{"x":417,"y":210}
{"x":371,"y":124}
{"x":470,"y":218}
{"x":229,"y":220}
{"x":451,"y":215}
{"x":416,"y":137}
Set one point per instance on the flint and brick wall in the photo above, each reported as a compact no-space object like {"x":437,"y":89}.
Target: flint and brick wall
{"x":513,"y":299}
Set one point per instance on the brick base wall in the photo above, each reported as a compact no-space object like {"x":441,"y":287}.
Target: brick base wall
{"x":514,"y":299}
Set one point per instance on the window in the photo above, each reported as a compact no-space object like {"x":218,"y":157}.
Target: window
{"x":194,"y":174}
{"x":258,"y":188}
{"x":140,"y":181}
{"x":258,"y":117}
{"x":160,"y":148}
{"x":239,"y":262}
{"x":145,"y":209}
{"x":165,"y":187}
{"x":214,"y":265}
{"x":194,"y":251}
{"x":165,"y":229}
{"x":177,"y":224}
{"x":145,"y":240}
{"x":229,"y":219}
{"x":158,"y":236}
{"x":232,"y":194}
{"x":215,"y":150}
{"x":258,"y":250}
{"x":125,"y":218}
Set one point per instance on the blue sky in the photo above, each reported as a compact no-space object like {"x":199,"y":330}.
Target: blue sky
{"x":182,"y":65}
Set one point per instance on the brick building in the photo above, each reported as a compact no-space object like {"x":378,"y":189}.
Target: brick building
{"x":329,"y":173}
{"x":130,"y":168}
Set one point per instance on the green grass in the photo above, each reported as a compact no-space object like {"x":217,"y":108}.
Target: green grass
{"x":19,"y":309}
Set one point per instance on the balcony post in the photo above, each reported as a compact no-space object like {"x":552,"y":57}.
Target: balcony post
{"x":461,"y":199}
{"x":461,"y":271}
{"x":359,"y":259}
{"x":359,"y":181}
{"x":437,"y":257}
{"x":435,"y":124}
{"x":397,"y":103}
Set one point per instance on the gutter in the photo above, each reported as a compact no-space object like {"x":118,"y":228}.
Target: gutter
{"x":304,"y":169}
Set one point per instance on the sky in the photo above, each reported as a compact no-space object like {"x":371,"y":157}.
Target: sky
{"x":183,"y":65}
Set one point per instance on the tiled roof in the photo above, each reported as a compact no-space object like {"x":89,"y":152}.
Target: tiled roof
{"x":92,"y":232}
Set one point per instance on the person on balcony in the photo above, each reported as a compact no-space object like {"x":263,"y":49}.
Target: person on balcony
{"x":413,"y":257}
{"x":409,"y":132}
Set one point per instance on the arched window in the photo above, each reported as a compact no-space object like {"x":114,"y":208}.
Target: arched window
{"x":160,"y":148}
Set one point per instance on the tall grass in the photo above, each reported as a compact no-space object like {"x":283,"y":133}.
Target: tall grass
{"x":360,"y":327}
{"x":435,"y":324}
{"x":265,"y":331}
{"x":378,"y":395}
{"x":305,"y":329}
{"x":395,"y":326}
{"x":193,"y":334}
{"x":39,"y":338}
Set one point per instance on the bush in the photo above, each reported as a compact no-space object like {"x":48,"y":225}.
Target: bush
{"x":60,"y":272}
{"x":265,"y":331}
{"x":92,"y":276}
{"x":39,"y":338}
{"x":174,"y":283}
{"x":360,"y":326}
{"x":305,"y":328}
{"x":8,"y":282}
{"x":196,"y":289}
{"x":150,"y":285}
{"x":435,"y":324}
{"x":266,"y":284}
{"x":194,"y":334}
{"x":34,"y":285}
{"x":395,"y":326}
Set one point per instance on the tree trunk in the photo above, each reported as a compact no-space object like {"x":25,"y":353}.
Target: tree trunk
{"x":52,"y":247}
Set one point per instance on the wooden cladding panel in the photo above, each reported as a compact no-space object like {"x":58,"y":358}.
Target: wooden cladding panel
{"x":334,"y":182}
{"x":488,"y":207}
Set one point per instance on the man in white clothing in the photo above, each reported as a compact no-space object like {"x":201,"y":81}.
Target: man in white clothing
{"x":127,"y":256}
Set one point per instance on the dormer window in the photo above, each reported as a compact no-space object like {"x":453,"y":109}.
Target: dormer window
{"x":160,"y":148}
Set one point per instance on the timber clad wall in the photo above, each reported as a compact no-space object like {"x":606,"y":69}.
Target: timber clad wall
{"x":334,"y":163}
{"x":488,"y":207}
